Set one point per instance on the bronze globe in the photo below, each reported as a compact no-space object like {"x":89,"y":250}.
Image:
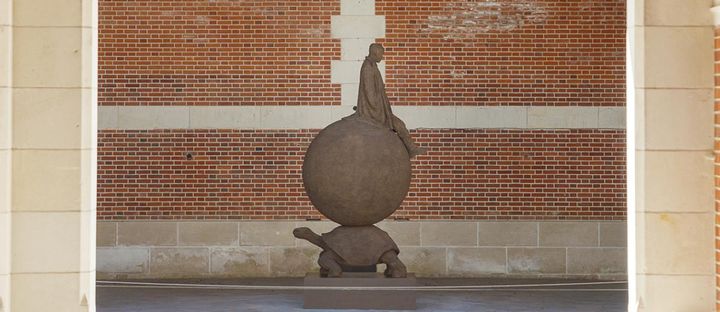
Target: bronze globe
{"x":356,"y":173}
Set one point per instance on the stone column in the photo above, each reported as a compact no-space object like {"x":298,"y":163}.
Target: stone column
{"x":672,"y":62}
{"x":47,"y":122}
{"x":5,"y":125}
{"x":716,"y":21}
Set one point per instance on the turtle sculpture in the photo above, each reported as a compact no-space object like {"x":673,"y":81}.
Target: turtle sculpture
{"x":347,"y":246}
{"x":356,"y":172}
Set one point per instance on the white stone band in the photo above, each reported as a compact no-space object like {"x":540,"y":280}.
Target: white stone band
{"x":318,"y":117}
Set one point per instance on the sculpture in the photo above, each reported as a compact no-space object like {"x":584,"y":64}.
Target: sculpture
{"x":354,"y":246}
{"x":373,"y":103}
{"x":356,"y":172}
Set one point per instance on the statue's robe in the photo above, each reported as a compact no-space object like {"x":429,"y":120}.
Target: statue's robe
{"x":373,"y":103}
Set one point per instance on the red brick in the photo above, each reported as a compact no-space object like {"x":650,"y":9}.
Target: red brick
{"x":468,"y":174}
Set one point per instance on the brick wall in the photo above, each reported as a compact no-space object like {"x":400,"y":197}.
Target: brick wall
{"x":521,"y":52}
{"x":440,"y":52}
{"x":224,"y":52}
{"x":279,"y":53}
{"x":481,"y":174}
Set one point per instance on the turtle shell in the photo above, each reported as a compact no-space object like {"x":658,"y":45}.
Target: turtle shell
{"x":359,"y":245}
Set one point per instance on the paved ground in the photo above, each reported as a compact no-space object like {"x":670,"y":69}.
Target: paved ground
{"x":600,"y":298}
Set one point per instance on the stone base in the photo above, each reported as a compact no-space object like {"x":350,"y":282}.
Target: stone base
{"x":360,"y":299}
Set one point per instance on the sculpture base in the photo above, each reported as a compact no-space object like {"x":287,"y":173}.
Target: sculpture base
{"x":360,"y":299}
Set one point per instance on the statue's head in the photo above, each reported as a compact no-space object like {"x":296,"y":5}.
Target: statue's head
{"x":376,"y":52}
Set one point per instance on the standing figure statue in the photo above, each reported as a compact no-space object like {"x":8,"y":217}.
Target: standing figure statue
{"x":357,"y":172}
{"x":373,"y":103}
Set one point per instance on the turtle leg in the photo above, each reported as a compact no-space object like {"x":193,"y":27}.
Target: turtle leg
{"x":329,"y":265}
{"x":395,"y":267}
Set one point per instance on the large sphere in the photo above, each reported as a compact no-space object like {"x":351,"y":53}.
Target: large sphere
{"x":356,"y":173}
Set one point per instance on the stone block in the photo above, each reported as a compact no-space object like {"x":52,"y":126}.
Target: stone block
{"x":587,"y":261}
{"x":267,"y":233}
{"x":289,"y":117}
{"x":5,"y":240}
{"x":671,"y":173}
{"x":426,"y":116}
{"x":674,"y":13}
{"x":5,"y":116}
{"x":230,"y":117}
{"x":49,"y":171}
{"x":48,"y":14}
{"x":146,"y":233}
{"x":357,"y":7}
{"x":562,"y":117}
{"x":293,"y":261}
{"x":355,"y":49}
{"x":680,"y":57}
{"x":239,"y":261}
{"x":491,"y":117}
{"x":613,"y":234}
{"x":208,"y":234}
{"x":4,"y":289}
{"x":349,"y":94}
{"x":568,"y":234}
{"x":502,"y":234}
{"x":48,"y":57}
{"x":5,"y":182}
{"x":106,"y":234}
{"x":339,"y":112}
{"x":59,"y":111}
{"x":153,"y":117}
{"x":536,"y":260}
{"x":122,"y":260}
{"x":5,"y":55}
{"x":345,"y":72}
{"x":425,"y":261}
{"x":403,"y":233}
{"x":666,"y":111}
{"x":445,"y":234}
{"x":39,"y":235}
{"x":354,"y":26}
{"x":681,"y":243}
{"x":677,"y":292}
{"x":612,"y":118}
{"x":640,"y":119}
{"x":32,"y":292}
{"x":107,"y":117}
{"x":476,"y":261}
{"x":178,"y":262}
{"x":5,"y":12}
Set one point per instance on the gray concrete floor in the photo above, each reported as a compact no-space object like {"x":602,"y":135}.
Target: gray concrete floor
{"x":600,"y":298}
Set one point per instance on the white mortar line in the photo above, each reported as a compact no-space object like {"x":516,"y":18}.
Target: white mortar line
{"x":447,"y":261}
{"x":318,"y":117}
{"x":238,"y":233}
{"x":507,"y":261}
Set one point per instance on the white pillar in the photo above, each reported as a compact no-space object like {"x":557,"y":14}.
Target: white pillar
{"x":672,"y":61}
{"x":5,"y":144}
{"x":49,"y":125}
